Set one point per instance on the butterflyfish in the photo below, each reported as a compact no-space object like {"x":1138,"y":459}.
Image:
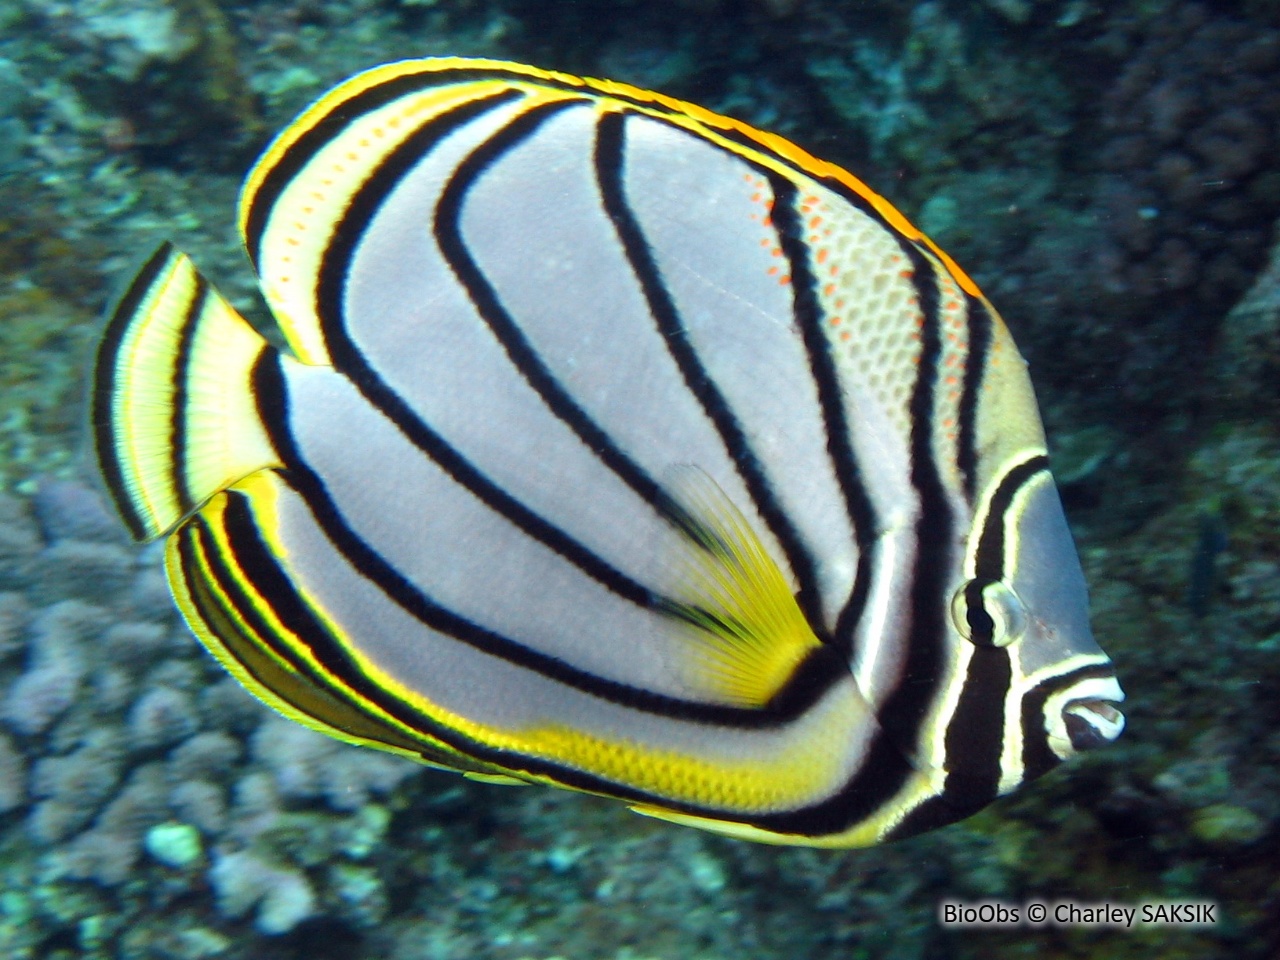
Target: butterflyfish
{"x":619,"y":446}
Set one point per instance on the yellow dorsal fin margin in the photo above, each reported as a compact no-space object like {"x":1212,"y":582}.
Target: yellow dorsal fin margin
{"x":747,"y":635}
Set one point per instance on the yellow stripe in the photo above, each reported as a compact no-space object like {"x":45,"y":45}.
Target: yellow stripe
{"x":142,"y":407}
{"x":310,"y":210}
{"x":255,"y":663}
{"x":800,"y":771}
{"x":873,"y":829}
{"x":369,"y":137}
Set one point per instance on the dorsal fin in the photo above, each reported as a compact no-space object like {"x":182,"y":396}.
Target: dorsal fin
{"x":174,"y":414}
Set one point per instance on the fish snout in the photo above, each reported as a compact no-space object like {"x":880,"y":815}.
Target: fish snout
{"x":1091,"y":722}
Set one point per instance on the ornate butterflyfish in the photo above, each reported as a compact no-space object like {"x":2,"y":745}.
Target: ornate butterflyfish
{"x":617,"y":445}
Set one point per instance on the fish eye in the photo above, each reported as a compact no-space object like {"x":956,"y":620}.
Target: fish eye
{"x":988,"y":613}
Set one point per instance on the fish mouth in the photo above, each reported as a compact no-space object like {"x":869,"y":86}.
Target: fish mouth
{"x":1084,"y":715}
{"x":1092,"y":722}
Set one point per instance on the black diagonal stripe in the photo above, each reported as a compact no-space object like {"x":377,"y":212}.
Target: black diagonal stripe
{"x":181,"y":375}
{"x":881,"y":775}
{"x":981,"y":326}
{"x":106,"y":387}
{"x":303,"y":150}
{"x":1037,"y":757}
{"x":835,"y":412}
{"x":989,"y":562}
{"x":219,"y":595}
{"x":610,"y":160}
{"x":924,"y":664}
{"x":802,"y":689}
{"x":257,"y":566}
{"x":883,"y":770}
{"x":522,"y":354}
{"x":806,"y":685}
{"x":975,"y":734}
{"x":348,"y":359}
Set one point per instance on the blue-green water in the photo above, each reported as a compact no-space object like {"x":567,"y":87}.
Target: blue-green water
{"x":1106,"y":172}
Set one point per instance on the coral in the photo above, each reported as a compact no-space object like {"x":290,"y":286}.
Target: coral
{"x":283,"y":897}
{"x":1180,"y":195}
{"x":19,"y":543}
{"x":1194,"y":147}
{"x":202,"y":803}
{"x":309,"y":765}
{"x":212,"y":754}
{"x":96,"y":572}
{"x":175,"y":845}
{"x":13,"y":776}
{"x":15,"y":614}
{"x":72,"y":787}
{"x":72,"y":510}
{"x":109,"y":849}
{"x":56,"y":666}
{"x":161,"y":717}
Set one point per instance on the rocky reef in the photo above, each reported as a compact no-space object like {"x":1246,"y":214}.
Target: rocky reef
{"x":1107,"y":172}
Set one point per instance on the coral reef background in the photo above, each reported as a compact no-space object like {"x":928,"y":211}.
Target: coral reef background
{"x":1107,"y":172}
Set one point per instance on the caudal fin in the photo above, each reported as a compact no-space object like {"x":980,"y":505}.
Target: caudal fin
{"x":174,"y":414}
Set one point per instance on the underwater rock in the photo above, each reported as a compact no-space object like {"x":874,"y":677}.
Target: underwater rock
{"x":166,"y":71}
{"x":1248,"y":364}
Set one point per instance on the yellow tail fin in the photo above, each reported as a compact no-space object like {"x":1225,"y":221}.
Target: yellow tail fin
{"x":174,"y":414}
